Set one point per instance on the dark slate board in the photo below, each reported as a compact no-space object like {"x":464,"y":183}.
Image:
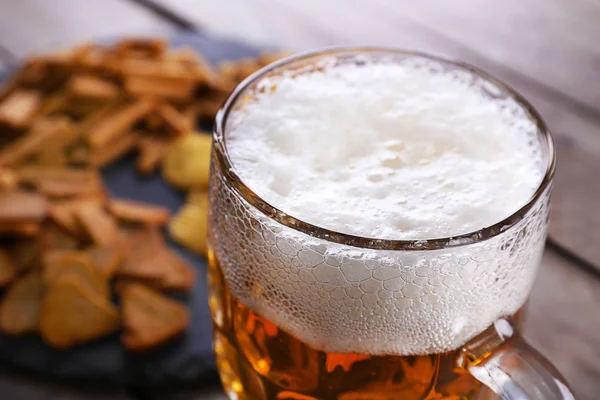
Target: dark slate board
{"x":186,"y":359}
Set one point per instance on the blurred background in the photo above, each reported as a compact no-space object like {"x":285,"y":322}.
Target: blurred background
{"x":549,"y":50}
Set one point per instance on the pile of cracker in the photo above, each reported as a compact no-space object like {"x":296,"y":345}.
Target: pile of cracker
{"x":76,"y":263}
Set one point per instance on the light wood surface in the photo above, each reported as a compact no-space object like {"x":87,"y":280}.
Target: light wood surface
{"x":549,"y":50}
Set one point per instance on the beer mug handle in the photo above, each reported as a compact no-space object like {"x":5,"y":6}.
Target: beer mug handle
{"x":501,"y":360}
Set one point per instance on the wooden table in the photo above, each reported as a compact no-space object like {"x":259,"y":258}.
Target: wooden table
{"x":549,"y":50}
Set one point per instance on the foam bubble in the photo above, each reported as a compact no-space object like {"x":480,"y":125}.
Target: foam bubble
{"x":388,"y":150}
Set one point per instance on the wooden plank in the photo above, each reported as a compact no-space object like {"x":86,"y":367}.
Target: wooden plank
{"x":258,"y":21}
{"x":20,"y":387}
{"x":563,"y":322}
{"x":551,"y":41}
{"x":221,"y":18}
{"x":28,"y":26}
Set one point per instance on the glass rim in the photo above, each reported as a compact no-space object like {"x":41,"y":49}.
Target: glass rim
{"x":227,"y":168}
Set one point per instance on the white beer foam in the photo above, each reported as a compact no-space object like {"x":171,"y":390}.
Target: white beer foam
{"x":387,"y":151}
{"x":384,"y":150}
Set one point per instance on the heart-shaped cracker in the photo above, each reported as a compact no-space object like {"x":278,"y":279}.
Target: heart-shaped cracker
{"x":20,"y":308}
{"x":150,"y":318}
{"x":72,"y":313}
{"x":150,"y":260}
{"x":60,"y":263}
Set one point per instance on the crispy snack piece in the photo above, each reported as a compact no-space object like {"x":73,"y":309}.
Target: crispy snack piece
{"x":25,"y":253}
{"x":60,"y":263}
{"x":74,"y":314}
{"x":33,"y":174}
{"x":101,"y":113}
{"x":150,"y":318}
{"x":168,"y":88}
{"x":52,"y":157}
{"x":8,"y":269}
{"x":18,"y":206}
{"x":20,"y":308}
{"x":63,"y":213}
{"x":187,"y":161}
{"x":19,"y":107}
{"x":20,"y":228}
{"x":53,"y":151}
{"x":189,"y":227}
{"x":154,"y":122}
{"x":107,"y":259}
{"x":135,"y":211}
{"x":100,"y":227}
{"x":150,"y":260}
{"x":92,"y":87}
{"x":79,"y":155}
{"x":61,"y":189}
{"x":53,"y":237}
{"x":110,"y":152}
{"x":8,"y":179}
{"x":119,"y":123}
{"x":176,"y":121}
{"x":151,"y":153}
{"x":42,"y":133}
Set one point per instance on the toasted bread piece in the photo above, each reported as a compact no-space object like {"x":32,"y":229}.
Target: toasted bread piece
{"x":169,"y":88}
{"x":19,"y":205}
{"x":151,"y":153}
{"x":156,"y":70}
{"x":92,"y":87}
{"x":20,"y":308}
{"x":187,"y":161}
{"x":19,"y":107}
{"x":55,"y":238}
{"x":32,"y":174}
{"x":42,"y":132}
{"x":53,"y":152}
{"x":150,"y":318}
{"x":107,"y":259}
{"x":8,"y":179}
{"x":63,"y":213}
{"x":178,"y":274}
{"x":74,"y":314}
{"x":119,"y":122}
{"x":177,"y":122}
{"x":100,"y":226}
{"x":63,"y":189}
{"x":25,"y":253}
{"x":61,"y":263}
{"x":135,"y":211}
{"x":111,"y":152}
{"x":20,"y":228}
{"x":8,"y":269}
{"x":150,"y":260}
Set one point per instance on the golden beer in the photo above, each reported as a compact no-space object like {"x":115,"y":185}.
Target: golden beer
{"x":258,"y":361}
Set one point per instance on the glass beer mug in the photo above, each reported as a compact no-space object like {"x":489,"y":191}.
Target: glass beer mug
{"x":304,"y":312}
